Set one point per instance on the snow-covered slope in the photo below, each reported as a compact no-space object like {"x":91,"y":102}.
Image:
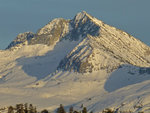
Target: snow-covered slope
{"x":105,"y":48}
{"x":75,"y":62}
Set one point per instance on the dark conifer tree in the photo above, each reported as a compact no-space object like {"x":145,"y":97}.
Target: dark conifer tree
{"x":18,"y":109}
{"x":31,"y":109}
{"x":61,"y":109}
{"x":10,"y":109}
{"x":71,"y":109}
{"x":44,"y":111}
{"x":75,"y":112}
{"x":84,"y":110}
{"x":26,"y":108}
{"x":21,"y":108}
{"x":81,"y":105}
{"x":35,"y":111}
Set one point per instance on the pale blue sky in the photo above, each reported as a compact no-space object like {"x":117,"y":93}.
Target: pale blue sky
{"x":18,"y":16}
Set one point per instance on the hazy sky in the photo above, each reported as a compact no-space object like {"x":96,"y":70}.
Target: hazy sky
{"x":18,"y":16}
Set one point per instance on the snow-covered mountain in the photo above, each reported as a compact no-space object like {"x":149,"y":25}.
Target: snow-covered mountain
{"x":75,"y":62}
{"x":101,"y":46}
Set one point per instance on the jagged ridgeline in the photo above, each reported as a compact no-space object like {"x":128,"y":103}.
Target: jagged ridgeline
{"x":58,"y":28}
{"x":48,"y":35}
{"x":100,"y":46}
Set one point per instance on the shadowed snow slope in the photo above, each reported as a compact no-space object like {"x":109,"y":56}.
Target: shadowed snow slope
{"x":128,"y":75}
{"x":75,"y":62}
{"x":42,"y":66}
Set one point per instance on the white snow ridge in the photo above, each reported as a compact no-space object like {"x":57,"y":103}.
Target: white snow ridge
{"x":76,"y":62}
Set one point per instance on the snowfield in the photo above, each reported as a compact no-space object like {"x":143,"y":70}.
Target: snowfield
{"x":32,"y":79}
{"x":103,"y":68}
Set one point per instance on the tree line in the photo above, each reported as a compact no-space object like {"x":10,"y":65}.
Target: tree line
{"x":29,"y":108}
{"x":25,"y":108}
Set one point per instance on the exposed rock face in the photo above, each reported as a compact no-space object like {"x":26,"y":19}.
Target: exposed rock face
{"x":59,"y":28}
{"x":107,"y":48}
{"x":49,"y":34}
{"x":52,"y":32}
{"x":101,"y":46}
{"x":21,"y":39}
{"x":82,"y":25}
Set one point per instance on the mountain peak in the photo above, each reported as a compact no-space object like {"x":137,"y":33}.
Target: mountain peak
{"x":77,"y":28}
{"x":81,"y":17}
{"x":102,"y":47}
{"x":21,"y":39}
{"x":51,"y":25}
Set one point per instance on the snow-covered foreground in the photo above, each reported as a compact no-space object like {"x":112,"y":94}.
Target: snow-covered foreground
{"x":30,"y":77}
